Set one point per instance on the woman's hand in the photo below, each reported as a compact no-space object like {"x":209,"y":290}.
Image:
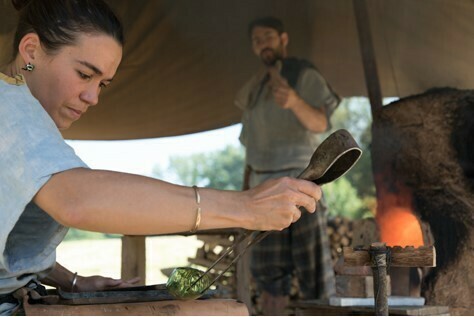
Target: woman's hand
{"x":274,"y":204}
{"x":99,"y":283}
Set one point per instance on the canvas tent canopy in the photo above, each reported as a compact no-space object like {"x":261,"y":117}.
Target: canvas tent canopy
{"x":184,"y":60}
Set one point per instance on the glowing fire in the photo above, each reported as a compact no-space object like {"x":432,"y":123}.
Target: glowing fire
{"x":398,"y":225}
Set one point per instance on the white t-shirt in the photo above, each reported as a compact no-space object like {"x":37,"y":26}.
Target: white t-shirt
{"x":31,"y":150}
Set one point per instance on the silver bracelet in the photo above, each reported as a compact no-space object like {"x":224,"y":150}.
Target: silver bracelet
{"x":198,"y":210}
{"x":74,"y":281}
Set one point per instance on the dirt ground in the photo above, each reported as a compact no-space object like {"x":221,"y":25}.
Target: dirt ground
{"x":103,"y":257}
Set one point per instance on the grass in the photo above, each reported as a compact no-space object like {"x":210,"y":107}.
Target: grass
{"x":103,"y":257}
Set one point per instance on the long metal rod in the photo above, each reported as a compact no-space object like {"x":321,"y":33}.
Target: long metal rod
{"x":255,"y":237}
{"x":229,"y":250}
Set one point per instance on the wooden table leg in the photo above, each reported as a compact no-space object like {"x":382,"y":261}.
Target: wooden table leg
{"x":242,"y":279}
{"x":134,"y":258}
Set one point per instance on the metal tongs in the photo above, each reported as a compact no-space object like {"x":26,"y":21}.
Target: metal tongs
{"x":332,"y":159}
{"x":247,"y":239}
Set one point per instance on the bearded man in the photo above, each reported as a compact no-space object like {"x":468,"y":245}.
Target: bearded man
{"x":286,"y":105}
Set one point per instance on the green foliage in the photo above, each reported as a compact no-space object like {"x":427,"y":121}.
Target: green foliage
{"x":353,"y":114}
{"x":221,"y":169}
{"x":361,"y":177}
{"x":342,"y":200}
{"x":226,"y":168}
{"x":76,"y":234}
{"x":189,"y":169}
{"x":157,"y":172}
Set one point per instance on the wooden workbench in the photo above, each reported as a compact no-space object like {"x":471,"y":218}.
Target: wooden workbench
{"x":208,"y":307}
{"x":134,"y":260}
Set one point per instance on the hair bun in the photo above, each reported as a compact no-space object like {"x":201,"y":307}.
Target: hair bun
{"x":20,"y":4}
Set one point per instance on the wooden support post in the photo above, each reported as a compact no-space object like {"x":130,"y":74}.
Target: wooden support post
{"x":378,"y":254}
{"x":368,"y":55}
{"x":134,"y":258}
{"x":371,"y":77}
{"x":242,"y":278}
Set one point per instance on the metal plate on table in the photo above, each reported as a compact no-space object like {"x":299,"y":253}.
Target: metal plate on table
{"x":137,"y":294}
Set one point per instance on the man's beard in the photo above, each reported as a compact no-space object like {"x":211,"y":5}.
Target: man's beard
{"x":270,"y":56}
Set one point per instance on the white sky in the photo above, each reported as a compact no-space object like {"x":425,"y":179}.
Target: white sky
{"x":140,"y":156}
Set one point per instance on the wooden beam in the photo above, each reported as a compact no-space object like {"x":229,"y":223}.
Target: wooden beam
{"x":404,"y":257}
{"x":368,"y":55}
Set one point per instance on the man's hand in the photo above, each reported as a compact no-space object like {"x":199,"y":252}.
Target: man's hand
{"x":285,"y":96}
{"x":98,"y":283}
{"x":313,"y":119}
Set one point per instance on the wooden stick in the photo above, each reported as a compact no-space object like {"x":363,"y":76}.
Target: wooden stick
{"x":378,"y":257}
{"x":401,"y":257}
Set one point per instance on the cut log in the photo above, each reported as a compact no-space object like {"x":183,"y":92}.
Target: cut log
{"x":404,"y":257}
{"x":365,"y":232}
{"x":216,"y":240}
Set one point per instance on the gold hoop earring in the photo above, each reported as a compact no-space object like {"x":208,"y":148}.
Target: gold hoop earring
{"x":29,"y":67}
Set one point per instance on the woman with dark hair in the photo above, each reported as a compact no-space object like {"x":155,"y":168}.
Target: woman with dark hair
{"x":65,"y":53}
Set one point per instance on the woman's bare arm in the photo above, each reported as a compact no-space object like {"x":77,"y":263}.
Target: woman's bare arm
{"x":113,"y":202}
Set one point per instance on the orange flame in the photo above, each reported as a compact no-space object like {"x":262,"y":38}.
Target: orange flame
{"x":398,"y":225}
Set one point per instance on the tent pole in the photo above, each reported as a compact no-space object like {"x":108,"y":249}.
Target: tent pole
{"x":368,"y":55}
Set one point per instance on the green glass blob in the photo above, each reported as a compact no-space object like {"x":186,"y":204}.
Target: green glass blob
{"x":182,"y":278}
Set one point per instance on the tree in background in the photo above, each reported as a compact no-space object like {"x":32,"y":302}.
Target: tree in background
{"x":221,"y":169}
{"x":76,"y":234}
{"x":342,"y":199}
{"x":354,"y":115}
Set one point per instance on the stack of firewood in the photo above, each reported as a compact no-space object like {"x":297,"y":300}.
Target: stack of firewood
{"x":340,"y":233}
{"x":212,"y":248}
